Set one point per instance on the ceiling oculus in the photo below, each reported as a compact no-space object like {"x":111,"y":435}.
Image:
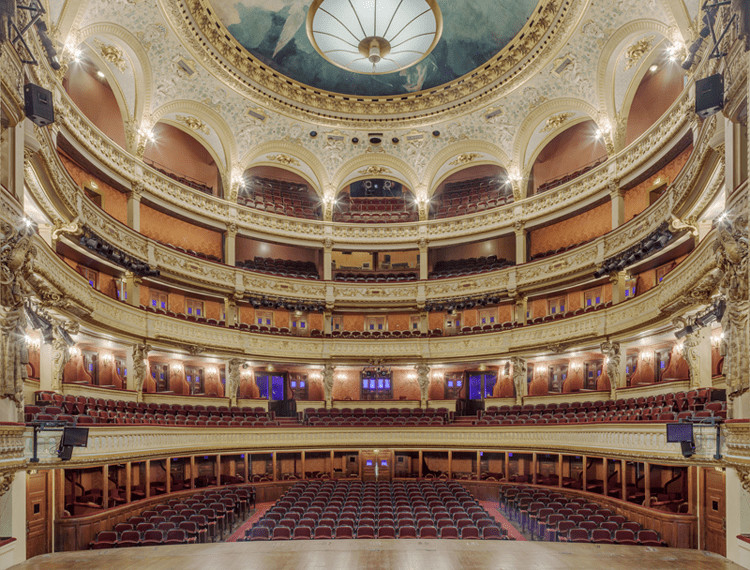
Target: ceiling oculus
{"x":374,"y":36}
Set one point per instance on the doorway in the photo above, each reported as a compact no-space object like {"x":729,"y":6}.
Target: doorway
{"x":37,"y":506}
{"x":714,"y":527}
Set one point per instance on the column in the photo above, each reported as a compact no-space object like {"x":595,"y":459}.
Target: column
{"x":647,"y":483}
{"x":218,"y":469}
{"x":521,"y":249}
{"x":192,"y":471}
{"x":585,"y":472}
{"x":303,"y":464}
{"x":696,"y":350}
{"x":450,"y":464}
{"x":617,"y":200}
{"x":13,"y":513}
{"x":230,"y":312}
{"x":479,"y":465}
{"x":168,"y":474}
{"x":534,"y":468}
{"x":424,"y":322}
{"x":12,"y":159}
{"x":624,"y":479}
{"x":129,"y":364}
{"x":737,"y":513}
{"x":618,"y":285}
{"x":424,"y":267}
{"x":230,"y":239}
{"x":327,"y":259}
{"x":273,"y":462}
{"x":46,"y":371}
{"x":327,"y":327}
{"x":521,"y":306}
{"x":147,"y":482}
{"x":132,"y":289}
{"x":134,"y":206}
{"x":128,"y":481}
{"x":105,"y":486}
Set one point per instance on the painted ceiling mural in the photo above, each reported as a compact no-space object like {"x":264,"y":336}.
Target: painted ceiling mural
{"x":473,"y":32}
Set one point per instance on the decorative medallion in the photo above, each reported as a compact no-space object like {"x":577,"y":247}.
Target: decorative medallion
{"x":636,"y":52}
{"x":283,"y":159}
{"x":373,"y":170}
{"x":193,"y":123}
{"x":556,"y":121}
{"x":112,"y":54}
{"x":465,"y":158}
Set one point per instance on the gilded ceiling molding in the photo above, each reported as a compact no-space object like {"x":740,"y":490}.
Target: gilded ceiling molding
{"x":255,"y":155}
{"x":228,"y":152}
{"x":680,"y":17}
{"x":449,"y":152}
{"x":137,"y":57}
{"x":610,"y":55}
{"x":535,"y":121}
{"x":638,"y":50}
{"x":520,"y":60}
{"x":349,"y":171}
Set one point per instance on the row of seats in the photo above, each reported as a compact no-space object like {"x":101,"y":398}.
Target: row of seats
{"x":656,"y":240}
{"x":374,"y":277}
{"x":202,"y":255}
{"x":470,"y":266}
{"x":95,"y":243}
{"x":288,"y":199}
{"x":374,"y":413}
{"x":191,"y":317}
{"x":375,"y":217}
{"x":557,"y":251}
{"x":697,"y":404}
{"x":552,"y":516}
{"x":189,"y":182}
{"x":376,"y":334}
{"x":80,"y":409}
{"x":468,"y":196}
{"x":568,"y":177}
{"x":204,"y":516}
{"x":472,"y":207}
{"x":283,"y":267}
{"x":404,"y":510}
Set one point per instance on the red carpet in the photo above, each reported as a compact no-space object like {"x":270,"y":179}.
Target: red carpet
{"x":240,"y":532}
{"x":494,"y":513}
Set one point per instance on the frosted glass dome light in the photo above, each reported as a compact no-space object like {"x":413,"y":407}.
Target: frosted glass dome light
{"x":374,"y":36}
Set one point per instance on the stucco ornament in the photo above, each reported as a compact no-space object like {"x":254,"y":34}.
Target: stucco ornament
{"x":233,"y":380}
{"x":611,"y":350}
{"x":328,"y":370}
{"x":519,"y":377}
{"x":140,"y":366}
{"x":423,"y":377}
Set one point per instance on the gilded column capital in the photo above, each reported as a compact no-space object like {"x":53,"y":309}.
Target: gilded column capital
{"x":519,"y":226}
{"x":328,"y":244}
{"x":232,"y":229}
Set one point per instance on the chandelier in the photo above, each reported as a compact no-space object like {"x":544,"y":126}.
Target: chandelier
{"x":374,"y":36}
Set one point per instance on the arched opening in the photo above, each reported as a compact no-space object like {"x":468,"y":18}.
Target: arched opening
{"x":182,"y":157}
{"x":92,"y":94}
{"x":659,"y":88}
{"x":274,"y":189}
{"x":567,"y":156}
{"x":470,"y":190}
{"x":375,"y":200}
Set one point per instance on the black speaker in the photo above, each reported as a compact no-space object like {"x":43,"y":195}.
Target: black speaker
{"x":38,"y":105}
{"x":709,"y":95}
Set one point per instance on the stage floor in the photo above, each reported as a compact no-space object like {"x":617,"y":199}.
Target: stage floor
{"x":383,"y":554}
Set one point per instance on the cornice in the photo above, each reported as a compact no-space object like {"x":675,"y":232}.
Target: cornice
{"x":639,"y":442}
{"x":211,"y":44}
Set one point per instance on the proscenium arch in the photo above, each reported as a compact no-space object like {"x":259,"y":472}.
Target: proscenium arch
{"x":605,"y":73}
{"x":535,"y":118}
{"x":376,"y":159}
{"x":295,"y":151}
{"x":461,"y":147}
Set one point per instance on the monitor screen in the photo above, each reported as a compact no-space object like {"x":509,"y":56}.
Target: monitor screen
{"x":75,"y":436}
{"x":679,"y":432}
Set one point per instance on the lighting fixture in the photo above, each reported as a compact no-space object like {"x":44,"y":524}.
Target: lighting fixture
{"x":653,"y":68}
{"x":100,"y":74}
{"x":374,"y":36}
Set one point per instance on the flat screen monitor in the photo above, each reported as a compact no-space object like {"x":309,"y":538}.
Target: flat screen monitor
{"x":679,"y":432}
{"x":75,"y":437}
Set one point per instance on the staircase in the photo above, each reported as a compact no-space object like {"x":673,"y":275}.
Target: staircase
{"x":464,"y":421}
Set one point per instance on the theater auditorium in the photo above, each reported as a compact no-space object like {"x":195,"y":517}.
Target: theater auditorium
{"x":400,"y":284}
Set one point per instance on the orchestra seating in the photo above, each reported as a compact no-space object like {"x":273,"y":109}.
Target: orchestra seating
{"x":282,"y":267}
{"x":201,"y":517}
{"x":568,"y":177}
{"x":695,"y":405}
{"x":285,"y":198}
{"x":461,"y":267}
{"x":375,"y":210}
{"x":550,"y":515}
{"x":376,"y":510}
{"x":82,"y":410}
{"x":375,"y":417}
{"x":469,"y":196}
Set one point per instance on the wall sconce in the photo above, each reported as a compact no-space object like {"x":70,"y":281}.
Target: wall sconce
{"x":74,"y":352}
{"x":177,"y":367}
{"x":107,"y":358}
{"x":32,"y":342}
{"x":212,"y":370}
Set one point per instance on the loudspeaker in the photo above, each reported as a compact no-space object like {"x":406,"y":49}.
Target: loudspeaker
{"x":709,"y":95}
{"x":38,"y":105}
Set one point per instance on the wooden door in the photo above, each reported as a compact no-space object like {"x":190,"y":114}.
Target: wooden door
{"x":37,"y":519}
{"x":369,"y":463}
{"x":714,"y":507}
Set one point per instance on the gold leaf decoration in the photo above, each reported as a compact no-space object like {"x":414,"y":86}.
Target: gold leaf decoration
{"x":373,"y":170}
{"x":193,"y":123}
{"x":465,"y":158}
{"x":283,"y":159}
{"x":112,"y":54}
{"x":636,"y":52}
{"x":556,"y":121}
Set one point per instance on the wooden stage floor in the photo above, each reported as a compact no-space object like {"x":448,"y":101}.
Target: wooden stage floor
{"x":385,"y":555}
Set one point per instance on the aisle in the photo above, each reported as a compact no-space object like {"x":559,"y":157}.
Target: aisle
{"x":248,"y":524}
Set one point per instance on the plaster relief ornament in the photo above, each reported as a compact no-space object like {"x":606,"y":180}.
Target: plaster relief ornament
{"x":60,"y":350}
{"x":556,"y":121}
{"x":233,"y":379}
{"x":193,"y":123}
{"x":283,"y":159}
{"x":112,"y":54}
{"x":140,"y":366}
{"x":17,"y":254}
{"x":373,"y":170}
{"x":465,"y":158}
{"x":635,"y":52}
{"x":328,"y":370}
{"x":731,"y":250}
{"x":519,"y":377}
{"x":423,"y":378}
{"x":611,"y":350}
